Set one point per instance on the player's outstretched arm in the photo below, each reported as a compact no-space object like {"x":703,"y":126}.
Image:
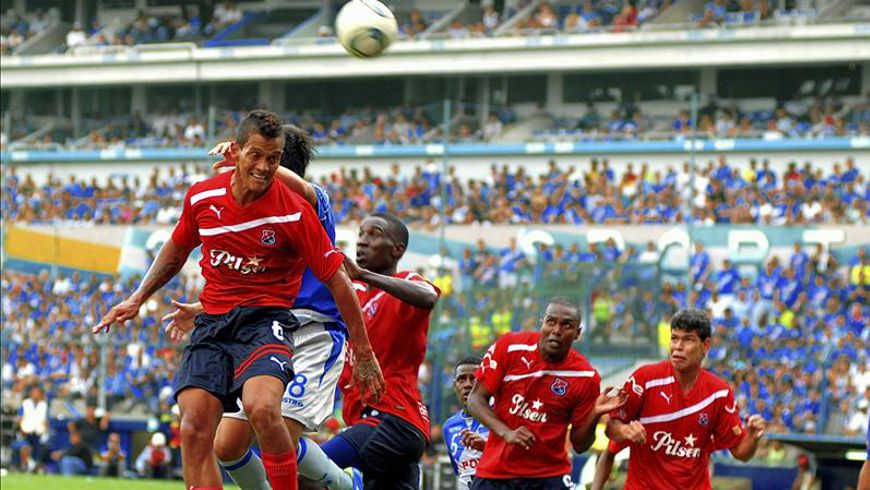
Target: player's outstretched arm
{"x":366,"y":370}
{"x":603,"y":468}
{"x":745,"y":450}
{"x":478,"y":407}
{"x":230,"y":151}
{"x":583,"y":435}
{"x":170,"y":259}
{"x":416,"y":293}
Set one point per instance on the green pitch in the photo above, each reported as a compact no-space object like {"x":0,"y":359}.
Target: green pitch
{"x":54,"y":482}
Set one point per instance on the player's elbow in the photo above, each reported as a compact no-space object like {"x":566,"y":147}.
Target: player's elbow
{"x":429,"y":300}
{"x":741,"y":454}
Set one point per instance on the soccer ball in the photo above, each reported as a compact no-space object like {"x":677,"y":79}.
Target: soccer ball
{"x":365,"y":27}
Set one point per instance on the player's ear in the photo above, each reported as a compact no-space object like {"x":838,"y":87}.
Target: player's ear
{"x":399,"y":250}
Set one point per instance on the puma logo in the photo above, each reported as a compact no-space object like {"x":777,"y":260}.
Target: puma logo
{"x":732,"y":409}
{"x":279,"y":363}
{"x":527,"y":362}
{"x":217,"y":211}
{"x":327,"y":254}
{"x":666,"y":396}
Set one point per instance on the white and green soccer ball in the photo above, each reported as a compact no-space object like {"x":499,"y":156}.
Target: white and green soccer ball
{"x":365,"y":28}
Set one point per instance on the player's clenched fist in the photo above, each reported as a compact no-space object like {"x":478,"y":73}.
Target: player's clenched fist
{"x":755,"y":426}
{"x":521,"y":436}
{"x":634,"y":432}
{"x":473,"y":440}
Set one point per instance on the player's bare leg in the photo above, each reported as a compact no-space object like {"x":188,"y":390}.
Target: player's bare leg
{"x":200,"y":414}
{"x":261,"y":398}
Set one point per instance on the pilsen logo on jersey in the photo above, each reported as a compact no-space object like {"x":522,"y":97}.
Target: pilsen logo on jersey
{"x":245,"y":265}
{"x":674,"y":447}
{"x":521,"y":408}
{"x":268,"y":237}
{"x":559,"y":386}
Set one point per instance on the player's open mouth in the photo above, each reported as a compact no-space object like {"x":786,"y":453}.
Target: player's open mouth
{"x":258,"y":177}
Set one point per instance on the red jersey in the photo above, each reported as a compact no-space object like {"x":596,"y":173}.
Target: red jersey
{"x":397,"y":332}
{"x":253,"y":255}
{"x":544,"y":397}
{"x":681,"y":429}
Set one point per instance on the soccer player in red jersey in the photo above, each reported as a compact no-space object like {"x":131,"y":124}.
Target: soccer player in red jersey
{"x":257,"y":238}
{"x":540,"y":385}
{"x":386,"y":439}
{"x":678,"y":413}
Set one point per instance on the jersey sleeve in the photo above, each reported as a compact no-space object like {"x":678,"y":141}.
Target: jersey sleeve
{"x":729,"y":430}
{"x":492,"y":369}
{"x":614,"y":447}
{"x":418,"y":278}
{"x":313,"y":244}
{"x":586,"y":401}
{"x":186,"y":233}
{"x":631,"y":409}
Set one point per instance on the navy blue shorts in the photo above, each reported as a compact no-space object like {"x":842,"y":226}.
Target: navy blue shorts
{"x":390,"y":450}
{"x":551,"y":483}
{"x":227,"y":350}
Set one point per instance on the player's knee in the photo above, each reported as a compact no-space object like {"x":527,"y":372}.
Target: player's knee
{"x":196,"y":431}
{"x":263,"y":415}
{"x":226,"y":450}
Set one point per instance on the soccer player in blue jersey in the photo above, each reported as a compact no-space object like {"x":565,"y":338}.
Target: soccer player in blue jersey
{"x":319,"y":348}
{"x":465,"y":436}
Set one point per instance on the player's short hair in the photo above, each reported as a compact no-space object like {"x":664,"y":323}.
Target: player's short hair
{"x":398,"y":231}
{"x":692,"y":320}
{"x":298,"y":149}
{"x":563,"y":301}
{"x":259,"y":121}
{"x":467,"y":361}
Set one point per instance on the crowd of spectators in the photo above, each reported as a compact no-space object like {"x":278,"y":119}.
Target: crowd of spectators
{"x":800,"y":118}
{"x":720,"y":192}
{"x":741,"y":12}
{"x":15,"y":29}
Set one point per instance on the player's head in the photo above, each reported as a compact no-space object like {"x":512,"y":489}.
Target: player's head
{"x":261,"y":143}
{"x":560,"y":327}
{"x":463,"y":377}
{"x":382,"y":241}
{"x":690,"y":338}
{"x":298,"y":149}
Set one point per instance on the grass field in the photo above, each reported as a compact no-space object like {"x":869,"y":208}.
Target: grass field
{"x":54,"y":482}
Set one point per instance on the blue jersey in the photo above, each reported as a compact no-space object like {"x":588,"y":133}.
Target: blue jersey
{"x":464,"y":459}
{"x":315,"y":302}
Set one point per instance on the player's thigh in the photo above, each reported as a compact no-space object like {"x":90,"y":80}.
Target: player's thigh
{"x":318,"y":361}
{"x":233,"y":438}
{"x":260,"y":347}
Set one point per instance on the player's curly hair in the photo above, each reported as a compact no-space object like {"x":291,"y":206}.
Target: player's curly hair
{"x":692,"y":320}
{"x":298,"y":149}
{"x":259,"y":121}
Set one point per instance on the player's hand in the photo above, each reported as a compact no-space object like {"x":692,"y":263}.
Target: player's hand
{"x":521,"y":436}
{"x":610,"y":400}
{"x":755,"y":426}
{"x":634,"y":432}
{"x":181,"y":320}
{"x":368,"y":377}
{"x":354,"y":271}
{"x":473,"y":440}
{"x":120,"y":313}
{"x":229,"y":150}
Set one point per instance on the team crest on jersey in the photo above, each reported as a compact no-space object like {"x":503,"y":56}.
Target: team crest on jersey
{"x":268,"y":237}
{"x":702,"y":419}
{"x":559,"y":386}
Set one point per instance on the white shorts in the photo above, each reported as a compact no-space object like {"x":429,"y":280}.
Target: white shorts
{"x":318,"y":360}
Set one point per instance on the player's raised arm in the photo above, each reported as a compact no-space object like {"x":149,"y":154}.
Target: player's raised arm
{"x":583,"y":428}
{"x":170,"y":259}
{"x":366,"y":370}
{"x":419,"y":294}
